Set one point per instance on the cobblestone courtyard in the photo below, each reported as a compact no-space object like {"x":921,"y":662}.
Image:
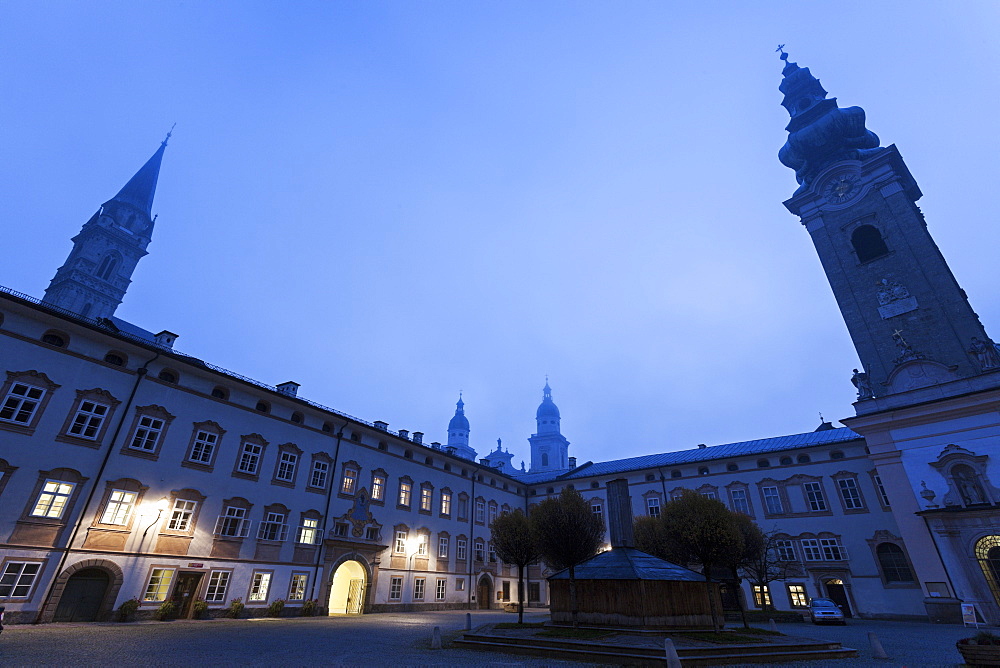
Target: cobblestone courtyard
{"x":377,"y":640}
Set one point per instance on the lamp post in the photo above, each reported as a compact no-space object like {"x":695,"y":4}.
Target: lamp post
{"x":160,"y":506}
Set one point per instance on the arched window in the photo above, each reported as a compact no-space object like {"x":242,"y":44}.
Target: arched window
{"x":545,"y":459}
{"x":54,"y":338}
{"x":785,"y":461}
{"x":893,"y":563}
{"x":220,"y":392}
{"x":988,"y":554}
{"x":168,"y":376}
{"x":297,"y":417}
{"x":803,"y":459}
{"x":675,"y":473}
{"x":868,"y":243}
{"x":263,"y":407}
{"x":109,"y":265}
{"x":116,"y":358}
{"x":732,"y":467}
{"x":703,"y":470}
{"x":763,"y":463}
{"x":836,"y":454}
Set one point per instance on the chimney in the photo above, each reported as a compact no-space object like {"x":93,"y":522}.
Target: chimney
{"x":572,"y":462}
{"x":620,"y":514}
{"x":382,"y":426}
{"x":702,"y":446}
{"x":166,"y":339}
{"x":290,"y":388}
{"x":418,"y":437}
{"x":404,"y":433}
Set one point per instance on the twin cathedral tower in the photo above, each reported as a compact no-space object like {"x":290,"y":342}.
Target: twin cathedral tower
{"x":911,"y":323}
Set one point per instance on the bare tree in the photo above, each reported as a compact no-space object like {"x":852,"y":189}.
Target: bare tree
{"x":514,"y":542}
{"x":768,"y":563}
{"x":567,"y":533}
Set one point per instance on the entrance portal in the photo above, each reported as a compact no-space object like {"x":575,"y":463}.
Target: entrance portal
{"x":484,"y":592}
{"x":838,"y":594}
{"x":347,"y":590}
{"x":82,"y":598}
{"x":183,"y":596}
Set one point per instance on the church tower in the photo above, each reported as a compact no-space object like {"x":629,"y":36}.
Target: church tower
{"x":911,"y":323}
{"x":99,"y":269}
{"x":549,"y":448}
{"x":458,"y":433}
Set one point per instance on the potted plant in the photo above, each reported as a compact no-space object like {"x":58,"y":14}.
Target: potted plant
{"x":236,"y":608}
{"x":308,"y":608}
{"x":200,"y":607}
{"x":126,"y":611}
{"x":982,"y":649}
{"x":166,"y":611}
{"x":274,"y":610}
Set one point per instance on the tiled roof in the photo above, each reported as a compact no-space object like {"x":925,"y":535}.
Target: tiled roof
{"x":727,"y":450}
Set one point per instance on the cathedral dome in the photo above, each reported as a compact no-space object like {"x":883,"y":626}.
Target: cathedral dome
{"x":547,"y":409}
{"x":459,"y":422}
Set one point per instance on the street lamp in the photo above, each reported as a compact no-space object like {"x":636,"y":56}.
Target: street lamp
{"x":159,"y":507}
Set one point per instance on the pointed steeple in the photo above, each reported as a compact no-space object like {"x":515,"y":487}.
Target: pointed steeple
{"x":141,"y":188}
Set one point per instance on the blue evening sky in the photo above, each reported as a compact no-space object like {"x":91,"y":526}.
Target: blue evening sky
{"x":389,"y":202}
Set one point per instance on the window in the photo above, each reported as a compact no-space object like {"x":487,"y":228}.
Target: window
{"x":297,"y":417}
{"x":218,"y":585}
{"x":405,"y":489}
{"x":233,"y":523}
{"x":785,"y":461}
{"x":317,"y":477}
{"x":785,"y":550}
{"x":340,"y":528}
{"x":108,"y":265}
{"x":763,"y":463}
{"x":505,"y":590}
{"x":653,"y":506}
{"x":893,"y":563}
{"x":203,"y":446}
{"x":426,"y":499}
{"x":832,"y":549}
{"x":880,"y":488}
{"x":463,"y":507}
{"x":740,"y":502}
{"x":56,"y":339}
{"x":442,"y":589}
{"x":249,"y":461}
{"x":422,"y":545}
{"x":459,"y":584}
{"x":797,"y":595}
{"x":445,"y":503}
{"x":180,"y":516}
{"x":673,"y":474}
{"x":868,"y":243}
{"x":88,"y":419}
{"x":273,"y":527}
{"x":147,"y":433}
{"x":480,"y":552}
{"x":492,"y":553}
{"x":259,"y":585}
{"x":20,"y":404}
{"x":480,"y":511}
{"x":418,"y":589}
{"x":53,"y":499}
{"x":710,"y":494}
{"x":297,"y":587}
{"x":598,"y":510}
{"x":395,"y":588}
{"x":263,"y":407}
{"x":287,"y":465}
{"x":118,"y":508}
{"x":159,"y":584}
{"x":772,"y":500}
{"x":814,"y":496}
{"x":378,"y":488}
{"x":810,"y":546}
{"x":702,"y":470}
{"x":220,"y":392}
{"x":461,"y":549}
{"x":349,"y":482}
{"x":167,"y":376}
{"x":371,"y":533}
{"x":836,"y":454}
{"x":493,"y":511}
{"x":443,"y":547}
{"x":761,"y":596}
{"x":308,"y":531}
{"x":850,"y":494}
{"x":732,"y":467}
{"x":18,"y":578}
{"x":803,"y":459}
{"x":400,"y":547}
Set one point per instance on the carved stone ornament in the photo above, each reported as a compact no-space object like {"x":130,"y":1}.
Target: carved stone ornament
{"x":965,"y":472}
{"x":986,"y":353}
{"x":889,"y":291}
{"x":863,"y":384}
{"x":360,"y":514}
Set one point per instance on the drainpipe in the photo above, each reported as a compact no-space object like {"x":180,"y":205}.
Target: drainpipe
{"x":140,"y":374}
{"x":471,"y":550}
{"x":326,"y":512}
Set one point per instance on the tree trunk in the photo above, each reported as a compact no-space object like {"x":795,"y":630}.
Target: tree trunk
{"x":739,"y":598}
{"x":711,"y":599}
{"x":520,"y":594}
{"x":572,"y":596}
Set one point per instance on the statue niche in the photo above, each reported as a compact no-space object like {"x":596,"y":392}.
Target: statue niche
{"x":965,"y":473}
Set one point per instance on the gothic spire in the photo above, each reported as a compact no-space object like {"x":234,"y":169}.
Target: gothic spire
{"x":139,"y":191}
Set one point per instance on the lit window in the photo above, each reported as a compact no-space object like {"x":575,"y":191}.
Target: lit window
{"x":286,"y":466}
{"x":297,"y":587}
{"x":318,"y":476}
{"x":88,"y":419}
{"x":741,"y":504}
{"x":350,"y":481}
{"x":395,"y":588}
{"x":772,"y":500}
{"x":218,"y":585}
{"x":405,"y":489}
{"x":422,"y":545}
{"x":400,"y":547}
{"x":814,"y":496}
{"x":761,"y":596}
{"x":180,"y":516}
{"x":850,"y":493}
{"x":426,"y":499}
{"x":250,"y":458}
{"x":446,"y":503}
{"x":203,"y":447}
{"x":443,"y":547}
{"x":233,"y":523}
{"x":461,"y":548}
{"x":797,"y":595}
{"x":53,"y":499}
{"x":120,"y":504}
{"x":21,"y":402}
{"x":273,"y":527}
{"x":18,"y":578}
{"x":259,"y":585}
{"x":442,"y":589}
{"x":378,"y":488}
{"x":418,"y":589}
{"x":159,"y":584}
{"x":147,"y":434}
{"x":653,"y":506}
{"x":309,"y":531}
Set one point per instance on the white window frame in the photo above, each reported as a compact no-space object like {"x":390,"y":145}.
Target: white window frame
{"x":287,"y":461}
{"x":480,"y":549}
{"x":395,"y":588}
{"x":653,"y":506}
{"x":203,"y":447}
{"x":260,"y":584}
{"x":297,"y":586}
{"x":405,"y":494}
{"x":833,"y":550}
{"x":422,"y":545}
{"x":119,"y":507}
{"x":349,"y":482}
{"x":218,"y":586}
{"x":250,"y":456}
{"x":772,"y":500}
{"x":442,"y":547}
{"x":147,"y":433}
{"x":815,"y":498}
{"x":317,"y":476}
{"x":419,"y":586}
{"x":18,"y":579}
{"x":740,"y":500}
{"x":785,"y":550}
{"x":54,"y":499}
{"x":181,"y":514}
{"x":274,"y":527}
{"x":761,"y":595}
{"x":426,"y":499}
{"x":233,"y":523}
{"x":850,"y":493}
{"x":880,"y":489}
{"x":378,"y":488}
{"x":461,"y":549}
{"x":441,"y":589}
{"x":158,"y":585}
{"x":797,"y":595}
{"x":811,"y":549}
{"x":480,"y":511}
{"x":308,"y":531}
{"x":89,"y":419}
{"x":400,"y":546}
{"x":446,"y":503}
{"x":19,"y":398}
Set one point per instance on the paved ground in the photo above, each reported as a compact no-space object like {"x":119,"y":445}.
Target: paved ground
{"x":378,"y":640}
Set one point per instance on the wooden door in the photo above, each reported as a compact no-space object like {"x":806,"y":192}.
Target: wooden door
{"x":483,"y":593}
{"x":83,"y":595}
{"x":184,"y":593}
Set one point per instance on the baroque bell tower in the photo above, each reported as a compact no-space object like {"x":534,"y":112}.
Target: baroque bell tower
{"x":911,"y":322}
{"x":98,"y":271}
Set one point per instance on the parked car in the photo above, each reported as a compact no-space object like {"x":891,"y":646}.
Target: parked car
{"x":825,"y":611}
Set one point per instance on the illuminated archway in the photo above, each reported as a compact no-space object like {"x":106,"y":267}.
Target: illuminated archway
{"x":347,"y":588}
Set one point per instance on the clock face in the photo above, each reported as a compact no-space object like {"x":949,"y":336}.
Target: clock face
{"x":841,"y":189}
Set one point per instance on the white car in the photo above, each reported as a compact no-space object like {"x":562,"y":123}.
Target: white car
{"x":825,"y":611}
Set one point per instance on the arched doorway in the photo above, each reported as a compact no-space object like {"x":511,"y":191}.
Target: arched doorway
{"x":838,"y":594}
{"x":347,"y":588}
{"x":484,"y":592}
{"x":988,"y":554}
{"x":83,"y":596}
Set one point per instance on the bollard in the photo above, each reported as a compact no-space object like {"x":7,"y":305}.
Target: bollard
{"x":436,"y":638}
{"x":877,"y":651}
{"x":468,"y":621}
{"x":673,"y":661}
{"x":771,"y":625}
